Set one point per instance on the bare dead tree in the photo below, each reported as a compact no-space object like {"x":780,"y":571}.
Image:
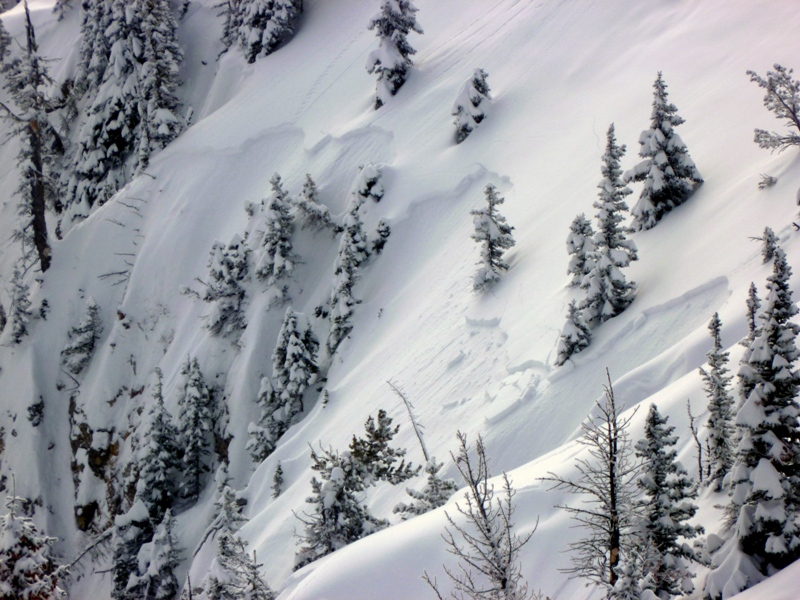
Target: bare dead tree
{"x":485,"y":546}
{"x":605,"y":481}
{"x":696,"y":437}
{"x":414,"y":423}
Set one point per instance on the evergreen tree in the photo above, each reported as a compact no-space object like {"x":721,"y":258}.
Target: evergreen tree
{"x":608,"y":293}
{"x":753,"y":306}
{"x":161,"y":56}
{"x":20,"y":307}
{"x":383,"y":232}
{"x":770,"y":241}
{"x":374,"y":458}
{"x":310,"y":211}
{"x":467,"y":108}
{"x":666,"y":507}
{"x":29,"y":86}
{"x":294,"y":368}
{"x":135,"y":109}
{"x":575,"y":336}
{"x":783,"y":100}
{"x":580,"y":246}
{"x":368,"y":183}
{"x":231,"y":13}
{"x":132,"y":530}
{"x":28,"y":570}
{"x":265,"y":24}
{"x":276,"y":263}
{"x":668,"y":172}
{"x":338,"y":517}
{"x":493,"y":233}
{"x":277,"y":481}
{"x":196,"y":423}
{"x":353,"y":251}
{"x":157,"y":560}
{"x":236,"y":575}
{"x":261,"y":443}
{"x":228,"y":268}
{"x":5,"y":44}
{"x":765,"y":486}
{"x":720,"y":408}
{"x":95,"y":49}
{"x":159,"y":457}
{"x":435,"y":493}
{"x":391,"y":61}
{"x":83,"y":339}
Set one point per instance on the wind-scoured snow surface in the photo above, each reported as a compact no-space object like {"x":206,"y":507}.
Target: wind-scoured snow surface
{"x":560,"y":73}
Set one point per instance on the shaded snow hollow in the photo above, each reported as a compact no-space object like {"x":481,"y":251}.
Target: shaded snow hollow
{"x":560,"y":73}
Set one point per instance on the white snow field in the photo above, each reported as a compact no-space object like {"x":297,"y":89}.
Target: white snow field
{"x":560,"y":73}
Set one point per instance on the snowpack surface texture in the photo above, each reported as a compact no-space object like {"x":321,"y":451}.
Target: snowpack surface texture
{"x":560,"y":73}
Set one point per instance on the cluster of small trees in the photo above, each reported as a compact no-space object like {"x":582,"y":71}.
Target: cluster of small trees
{"x":258,"y":26}
{"x":597,"y":259}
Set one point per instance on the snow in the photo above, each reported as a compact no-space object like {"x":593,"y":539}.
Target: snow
{"x":560,"y":73}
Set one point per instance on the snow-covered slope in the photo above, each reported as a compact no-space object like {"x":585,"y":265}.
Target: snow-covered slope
{"x":560,"y":73}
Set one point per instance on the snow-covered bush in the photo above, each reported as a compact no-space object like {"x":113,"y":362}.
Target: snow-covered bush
{"x":83,"y":338}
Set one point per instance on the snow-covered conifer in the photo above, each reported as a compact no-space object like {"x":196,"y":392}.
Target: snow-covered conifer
{"x":228,"y":268}
{"x":580,"y":246}
{"x":159,"y":457}
{"x":468,"y":109}
{"x":373,"y":456}
{"x":196,"y":424}
{"x":753,"y":306}
{"x":782,"y":99}
{"x":337,"y":516}
{"x":383,"y":232}
{"x":294,"y":369}
{"x":765,"y":484}
{"x":132,"y":530}
{"x":83,"y":339}
{"x":277,"y":481}
{"x":265,"y":24}
{"x":5,"y":44}
{"x":575,"y":335}
{"x":391,"y":60}
{"x":94,"y":49}
{"x":769,"y":241}
{"x":353,"y":251}
{"x":234,"y":574}
{"x":261,"y":443}
{"x":20,"y":307}
{"x":135,"y":108}
{"x":276,"y":263}
{"x":721,"y":431}
{"x":311,"y":212}
{"x":231,"y":13}
{"x":493,"y":233}
{"x":435,"y":493}
{"x":28,"y":570}
{"x":668,"y":172}
{"x":160,"y":60}
{"x":157,"y":560}
{"x":608,"y":293}
{"x":368,"y":183}
{"x":30,"y":88}
{"x":666,"y":508}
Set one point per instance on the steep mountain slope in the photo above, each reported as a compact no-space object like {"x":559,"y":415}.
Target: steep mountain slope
{"x":560,"y":73}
